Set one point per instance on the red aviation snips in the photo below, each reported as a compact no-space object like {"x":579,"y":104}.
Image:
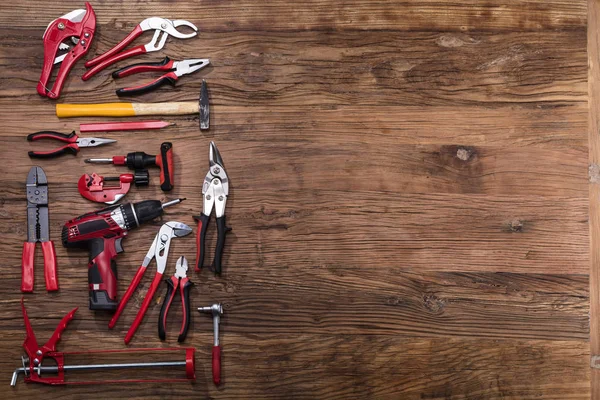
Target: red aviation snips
{"x":73,"y":32}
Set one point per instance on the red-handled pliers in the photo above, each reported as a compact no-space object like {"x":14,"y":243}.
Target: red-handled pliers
{"x":160,"y":25}
{"x":177,"y":283}
{"x":175,"y":70}
{"x":73,"y":141}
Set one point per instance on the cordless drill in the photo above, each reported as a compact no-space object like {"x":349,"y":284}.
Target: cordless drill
{"x":101,"y":233}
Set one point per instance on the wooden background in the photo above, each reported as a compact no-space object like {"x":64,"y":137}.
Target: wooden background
{"x":409,"y":196}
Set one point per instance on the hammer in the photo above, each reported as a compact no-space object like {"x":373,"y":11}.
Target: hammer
{"x":134,"y":109}
{"x":216,"y":310}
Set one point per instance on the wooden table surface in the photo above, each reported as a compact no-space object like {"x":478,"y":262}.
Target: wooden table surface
{"x":409,"y":197}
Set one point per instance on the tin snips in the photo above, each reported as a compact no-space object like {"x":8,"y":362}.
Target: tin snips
{"x":71,"y":35}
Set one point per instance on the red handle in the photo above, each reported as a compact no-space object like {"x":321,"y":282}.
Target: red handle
{"x":216,"y":364}
{"x":165,"y":65}
{"x":27,"y":267}
{"x":102,"y":272}
{"x":134,"y":284}
{"x":140,"y":315}
{"x":134,"y":51}
{"x":137,"y":31}
{"x":50,"y":266}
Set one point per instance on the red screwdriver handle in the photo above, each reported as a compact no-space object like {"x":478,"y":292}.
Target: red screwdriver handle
{"x":140,"y":315}
{"x":165,"y":162}
{"x":50,"y":272}
{"x":134,"y":284}
{"x":216,"y":364}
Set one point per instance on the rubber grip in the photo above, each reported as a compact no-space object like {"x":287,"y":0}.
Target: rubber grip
{"x":140,"y":315}
{"x":170,"y":78}
{"x":165,"y":162}
{"x":216,"y":364}
{"x":71,"y":148}
{"x":50,"y":272}
{"x":203,"y":221}
{"x":222,"y":230}
{"x":172,"y":283}
{"x":184,"y":291}
{"x":134,"y":51}
{"x":70,"y":138}
{"x":132,"y":286}
{"x":95,"y":110}
{"x":165,"y":65}
{"x":27,"y":267}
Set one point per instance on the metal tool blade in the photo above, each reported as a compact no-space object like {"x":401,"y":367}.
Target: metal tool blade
{"x":73,"y":16}
{"x":204,"y":107}
{"x":38,"y":226}
{"x":181,"y":267}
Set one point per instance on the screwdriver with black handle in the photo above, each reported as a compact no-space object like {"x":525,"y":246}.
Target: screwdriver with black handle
{"x":139,"y":160}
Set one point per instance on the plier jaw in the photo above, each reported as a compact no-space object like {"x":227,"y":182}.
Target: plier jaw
{"x":79,"y":26}
{"x":215,"y":190}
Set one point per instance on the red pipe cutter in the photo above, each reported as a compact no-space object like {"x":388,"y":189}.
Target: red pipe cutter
{"x":159,"y":25}
{"x":78,"y":27}
{"x":92,"y":186}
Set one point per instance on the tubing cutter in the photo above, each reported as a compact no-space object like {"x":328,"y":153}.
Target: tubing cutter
{"x":78,"y":26}
{"x":92,"y":186}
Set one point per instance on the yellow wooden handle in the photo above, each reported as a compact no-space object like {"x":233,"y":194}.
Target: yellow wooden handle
{"x":95,"y":110}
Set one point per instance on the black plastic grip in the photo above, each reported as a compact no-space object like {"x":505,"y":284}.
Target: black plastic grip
{"x":185,"y":298}
{"x":142,"y":67}
{"x":203,"y":221}
{"x":164,"y":310}
{"x":167,"y":171}
{"x":155,"y":84}
{"x":222,"y":230}
{"x":68,"y":149}
{"x":52,"y":135}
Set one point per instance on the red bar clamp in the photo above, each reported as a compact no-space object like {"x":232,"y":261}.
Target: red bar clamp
{"x":92,"y":186}
{"x":77,"y":27}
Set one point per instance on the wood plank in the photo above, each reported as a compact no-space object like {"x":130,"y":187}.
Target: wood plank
{"x":540,"y":127}
{"x":349,"y":366}
{"x":414,"y":232}
{"x":367,"y":68}
{"x":594,"y":211}
{"x":435,"y":15}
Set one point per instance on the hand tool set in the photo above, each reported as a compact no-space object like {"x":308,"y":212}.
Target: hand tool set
{"x":92,"y":186}
{"x":140,"y":160}
{"x":66,"y":40}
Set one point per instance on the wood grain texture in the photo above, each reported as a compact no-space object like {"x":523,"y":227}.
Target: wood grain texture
{"x":410,"y":197}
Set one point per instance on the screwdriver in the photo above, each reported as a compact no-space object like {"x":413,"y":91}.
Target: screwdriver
{"x":139,"y":160}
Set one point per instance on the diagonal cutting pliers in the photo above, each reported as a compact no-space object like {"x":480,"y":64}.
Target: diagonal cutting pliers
{"x":174,"y":70}
{"x":177,"y":283}
{"x":160,"y":25}
{"x":73,"y":143}
{"x":215,"y":190}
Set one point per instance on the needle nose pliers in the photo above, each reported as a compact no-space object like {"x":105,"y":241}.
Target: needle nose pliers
{"x":174,"y":70}
{"x":177,"y":283}
{"x":73,"y":143}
